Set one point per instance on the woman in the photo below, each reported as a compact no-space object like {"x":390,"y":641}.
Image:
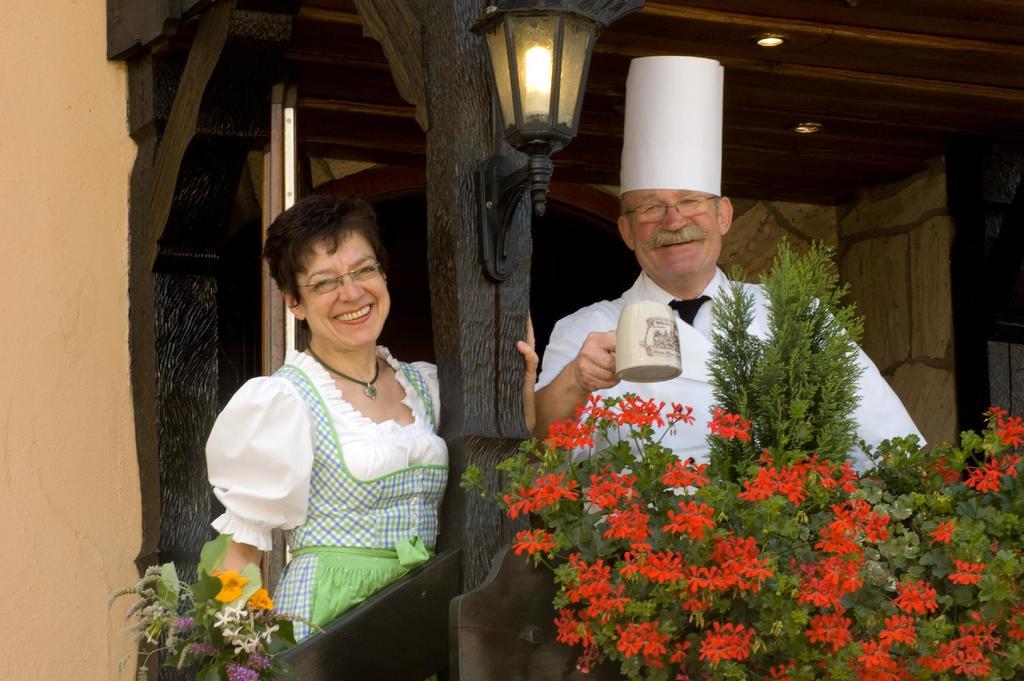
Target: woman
{"x":339,"y":446}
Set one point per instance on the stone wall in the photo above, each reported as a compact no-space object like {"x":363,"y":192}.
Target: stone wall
{"x":894,"y":250}
{"x":893,"y":246}
{"x":759,"y":227}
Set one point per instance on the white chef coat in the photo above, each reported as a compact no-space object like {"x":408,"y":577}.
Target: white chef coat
{"x":880,"y":414}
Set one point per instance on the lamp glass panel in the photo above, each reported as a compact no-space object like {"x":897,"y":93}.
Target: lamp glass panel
{"x":575,"y":42}
{"x":535,"y":46}
{"x":498,"y":49}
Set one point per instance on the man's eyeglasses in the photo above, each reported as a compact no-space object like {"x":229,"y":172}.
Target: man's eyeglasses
{"x":362,"y":275}
{"x":656,"y":212}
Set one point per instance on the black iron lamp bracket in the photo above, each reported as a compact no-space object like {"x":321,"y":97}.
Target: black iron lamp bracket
{"x":501,"y":184}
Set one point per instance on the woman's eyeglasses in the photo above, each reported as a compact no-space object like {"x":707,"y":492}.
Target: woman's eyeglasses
{"x":359,"y":276}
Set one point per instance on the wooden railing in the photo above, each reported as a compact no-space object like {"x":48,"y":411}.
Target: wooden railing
{"x":504,"y":629}
{"x":421,"y":625}
{"x":399,"y":634}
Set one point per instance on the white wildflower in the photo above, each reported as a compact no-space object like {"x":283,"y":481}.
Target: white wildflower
{"x":229,"y":615}
{"x":248,"y":644}
{"x":269,"y":631}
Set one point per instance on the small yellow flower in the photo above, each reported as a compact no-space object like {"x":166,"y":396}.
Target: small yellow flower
{"x":261,"y":600}
{"x":231,"y":584}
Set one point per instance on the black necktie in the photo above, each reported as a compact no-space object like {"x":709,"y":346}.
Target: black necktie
{"x":687,"y":309}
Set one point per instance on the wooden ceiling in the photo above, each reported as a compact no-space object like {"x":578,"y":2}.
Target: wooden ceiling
{"x":894,"y":83}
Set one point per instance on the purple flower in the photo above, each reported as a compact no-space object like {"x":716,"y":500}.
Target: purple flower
{"x":200,"y":649}
{"x":184,"y":623}
{"x":257,"y":661}
{"x":266,"y":616}
{"x":237,"y":672}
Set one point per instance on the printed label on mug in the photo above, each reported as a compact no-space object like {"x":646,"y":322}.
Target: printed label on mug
{"x":647,"y":343}
{"x":662,"y":338}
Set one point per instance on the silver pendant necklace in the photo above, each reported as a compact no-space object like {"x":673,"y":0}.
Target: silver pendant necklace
{"x":369,"y":389}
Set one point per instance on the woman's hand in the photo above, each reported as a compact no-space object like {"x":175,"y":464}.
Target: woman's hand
{"x":528,"y":351}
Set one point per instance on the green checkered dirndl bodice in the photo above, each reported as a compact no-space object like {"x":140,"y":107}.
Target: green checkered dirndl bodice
{"x":344,"y":511}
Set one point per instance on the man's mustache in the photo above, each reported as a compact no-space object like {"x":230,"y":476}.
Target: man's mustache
{"x":663,"y":238}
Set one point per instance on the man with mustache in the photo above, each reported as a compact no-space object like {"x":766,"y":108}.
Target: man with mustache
{"x":673,"y":219}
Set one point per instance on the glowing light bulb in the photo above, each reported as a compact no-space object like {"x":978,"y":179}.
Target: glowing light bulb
{"x":769,"y":40}
{"x":537,"y":99}
{"x":807,"y":127}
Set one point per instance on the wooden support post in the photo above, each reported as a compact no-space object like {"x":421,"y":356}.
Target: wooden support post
{"x":183,"y":255}
{"x":273,"y":203}
{"x":476,"y":322}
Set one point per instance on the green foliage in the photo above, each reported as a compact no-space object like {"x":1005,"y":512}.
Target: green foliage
{"x":658,"y":595}
{"x":209,"y":624}
{"x":212,"y":554}
{"x":798,"y":384}
{"x":167,"y":586}
{"x":784,"y":563}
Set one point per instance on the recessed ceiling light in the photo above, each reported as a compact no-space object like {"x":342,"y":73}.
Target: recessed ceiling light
{"x":806,"y":127}
{"x":769,"y":40}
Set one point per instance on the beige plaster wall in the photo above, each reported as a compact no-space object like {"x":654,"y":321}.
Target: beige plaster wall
{"x":69,"y":490}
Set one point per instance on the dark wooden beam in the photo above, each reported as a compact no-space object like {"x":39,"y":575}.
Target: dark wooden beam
{"x":149,"y":81}
{"x":343,"y":106}
{"x":995,"y":20}
{"x":205,"y":53}
{"x":908,"y":84}
{"x":666,"y":28}
{"x":392,"y":24}
{"x":330,"y":82}
{"x":363,"y":154}
{"x":362,"y":130}
{"x":133,"y":25}
{"x":476,"y":321}
{"x":324,"y":15}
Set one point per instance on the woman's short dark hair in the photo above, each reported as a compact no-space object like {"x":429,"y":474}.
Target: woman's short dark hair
{"x":317,"y":219}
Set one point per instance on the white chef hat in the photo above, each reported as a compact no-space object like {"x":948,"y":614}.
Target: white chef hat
{"x":673,"y":132}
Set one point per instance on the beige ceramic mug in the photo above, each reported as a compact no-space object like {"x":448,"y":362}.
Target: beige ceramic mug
{"x":647,"y":343}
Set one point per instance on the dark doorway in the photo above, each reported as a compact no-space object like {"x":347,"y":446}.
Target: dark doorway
{"x":578,"y":259}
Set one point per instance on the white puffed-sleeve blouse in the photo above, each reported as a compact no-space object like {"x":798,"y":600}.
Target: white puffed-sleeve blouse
{"x":260,"y":452}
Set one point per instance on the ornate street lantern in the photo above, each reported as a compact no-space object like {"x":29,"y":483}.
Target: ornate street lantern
{"x":539,"y":55}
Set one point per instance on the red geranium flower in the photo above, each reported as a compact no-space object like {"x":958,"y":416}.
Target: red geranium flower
{"x":726,"y":642}
{"x":898,"y":629}
{"x":832,"y":630}
{"x":534,"y":541}
{"x":628,"y":524}
{"x":727,"y":425}
{"x":609,"y":487}
{"x":916,"y":596}
{"x":693,"y":520}
{"x":643,"y":638}
{"x":944,"y":532}
{"x":685,"y":474}
{"x":966,"y":573}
